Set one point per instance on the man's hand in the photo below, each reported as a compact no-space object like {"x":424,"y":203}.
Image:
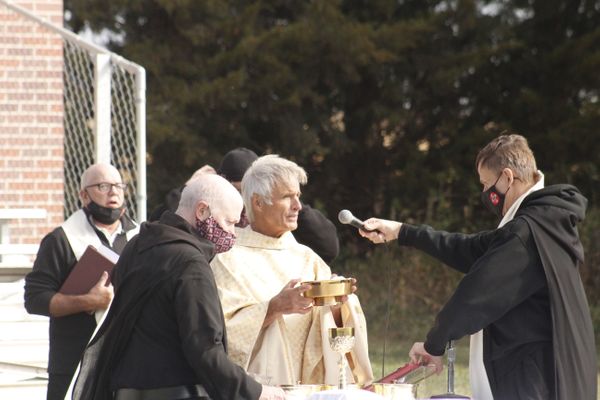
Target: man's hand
{"x":380,"y":230}
{"x":272,"y":393}
{"x":288,"y":301}
{"x":418,"y":355}
{"x":101,"y":295}
{"x":98,"y":298}
{"x":344,"y":298}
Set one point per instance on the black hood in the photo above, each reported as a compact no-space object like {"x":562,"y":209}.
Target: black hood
{"x":557,"y":209}
{"x":172,"y":228}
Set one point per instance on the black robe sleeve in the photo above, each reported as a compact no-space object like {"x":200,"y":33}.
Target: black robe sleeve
{"x":498,"y":281}
{"x":503,"y":274}
{"x":51,"y":267}
{"x":202,"y":333}
{"x":457,"y":250}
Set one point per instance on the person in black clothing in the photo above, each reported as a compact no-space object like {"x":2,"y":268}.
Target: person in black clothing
{"x":164,"y":336}
{"x":521,"y":283}
{"x":101,"y":221}
{"x":314,"y":229}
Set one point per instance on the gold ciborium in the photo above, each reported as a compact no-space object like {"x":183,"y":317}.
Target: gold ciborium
{"x":341,"y":340}
{"x":328,"y":292}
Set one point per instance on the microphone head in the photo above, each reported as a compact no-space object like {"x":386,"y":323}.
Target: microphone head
{"x":345,"y":217}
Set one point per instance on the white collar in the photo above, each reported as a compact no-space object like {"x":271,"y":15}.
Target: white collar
{"x":510,"y":213}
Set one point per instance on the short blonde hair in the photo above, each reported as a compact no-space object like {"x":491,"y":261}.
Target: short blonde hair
{"x":509,"y":151}
{"x":264,"y":173}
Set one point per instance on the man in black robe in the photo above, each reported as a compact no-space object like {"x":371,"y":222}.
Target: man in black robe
{"x":164,"y":336}
{"x":521,"y":283}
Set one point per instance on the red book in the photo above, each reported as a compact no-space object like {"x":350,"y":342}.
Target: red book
{"x":88,"y":270}
{"x":408,"y":373}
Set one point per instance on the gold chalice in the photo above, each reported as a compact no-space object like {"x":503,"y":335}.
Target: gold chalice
{"x":341,"y":340}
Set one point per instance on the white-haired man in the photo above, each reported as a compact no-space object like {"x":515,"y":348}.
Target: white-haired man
{"x":164,"y":336}
{"x":101,"y":221}
{"x":274,"y":331}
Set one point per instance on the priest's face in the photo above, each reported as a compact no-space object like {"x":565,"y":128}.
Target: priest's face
{"x":281,"y":215}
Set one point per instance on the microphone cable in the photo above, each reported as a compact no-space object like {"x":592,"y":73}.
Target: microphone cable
{"x":387,"y":253}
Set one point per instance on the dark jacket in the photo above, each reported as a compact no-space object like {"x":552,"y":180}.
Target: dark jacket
{"x":522,"y":287}
{"x":53,"y":263}
{"x":165,"y":326}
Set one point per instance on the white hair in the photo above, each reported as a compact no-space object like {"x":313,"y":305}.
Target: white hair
{"x":212,"y":189}
{"x":91,"y":174}
{"x":264,"y":173}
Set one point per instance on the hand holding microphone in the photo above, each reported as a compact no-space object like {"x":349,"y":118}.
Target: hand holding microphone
{"x":375,"y":229}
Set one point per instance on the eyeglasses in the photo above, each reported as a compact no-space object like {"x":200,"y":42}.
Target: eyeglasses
{"x":104,"y":187}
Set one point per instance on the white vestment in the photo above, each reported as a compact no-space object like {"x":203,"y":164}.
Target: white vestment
{"x":295,"y":347}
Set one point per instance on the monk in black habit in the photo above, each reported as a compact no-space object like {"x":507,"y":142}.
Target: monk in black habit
{"x":164,"y":336}
{"x":521,"y":283}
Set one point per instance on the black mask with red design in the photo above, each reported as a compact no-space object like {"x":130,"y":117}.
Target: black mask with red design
{"x":493,"y":200}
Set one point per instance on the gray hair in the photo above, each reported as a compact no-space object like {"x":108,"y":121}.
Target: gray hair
{"x":210,"y":188}
{"x":264,"y":174}
{"x":509,"y":151}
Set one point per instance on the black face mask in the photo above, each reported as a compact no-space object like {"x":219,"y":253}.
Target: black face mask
{"x":105,"y":215}
{"x":493,"y":200}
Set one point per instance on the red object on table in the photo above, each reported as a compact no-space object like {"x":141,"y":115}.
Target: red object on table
{"x":397,"y":374}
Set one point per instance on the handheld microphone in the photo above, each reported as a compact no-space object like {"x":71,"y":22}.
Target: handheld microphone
{"x":346,"y":217}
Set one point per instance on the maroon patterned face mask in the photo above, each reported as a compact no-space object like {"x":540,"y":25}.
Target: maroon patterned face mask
{"x":210,"y":230}
{"x":244,"y":221}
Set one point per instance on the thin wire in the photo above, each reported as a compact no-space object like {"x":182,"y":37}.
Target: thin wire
{"x":387,"y":312}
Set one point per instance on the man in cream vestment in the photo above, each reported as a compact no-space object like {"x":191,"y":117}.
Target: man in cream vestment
{"x":273,"y":331}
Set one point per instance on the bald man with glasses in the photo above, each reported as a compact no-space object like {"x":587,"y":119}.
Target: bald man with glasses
{"x":101,"y":221}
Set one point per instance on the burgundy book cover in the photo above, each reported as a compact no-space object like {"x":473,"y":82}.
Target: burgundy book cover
{"x":88,"y":270}
{"x":397,"y":374}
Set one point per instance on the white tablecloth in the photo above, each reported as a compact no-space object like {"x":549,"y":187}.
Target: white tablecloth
{"x":346,"y":394}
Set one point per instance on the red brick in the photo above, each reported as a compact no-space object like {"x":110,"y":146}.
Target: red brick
{"x":49,"y":52}
{"x":9,"y":152}
{"x":5,"y":64}
{"x":49,"y":163}
{"x":27,"y":197}
{"x":40,"y":152}
{"x":34,"y":85}
{"x":44,"y":186}
{"x":7,"y":198}
{"x":19,"y":52}
{"x":34,"y":107}
{"x":37,"y":175}
{"x":8,"y":107}
{"x":48,"y":96}
{"x":18,"y":119}
{"x":50,"y":74}
{"x":35,"y":63}
{"x":49,"y":119}
{"x":20,"y":164}
{"x":10,"y":40}
{"x":9,"y":85}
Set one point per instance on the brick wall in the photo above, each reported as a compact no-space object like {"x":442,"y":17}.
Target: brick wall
{"x":31,"y":117}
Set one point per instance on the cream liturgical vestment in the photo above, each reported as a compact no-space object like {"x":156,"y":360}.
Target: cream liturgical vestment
{"x":295,"y":347}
